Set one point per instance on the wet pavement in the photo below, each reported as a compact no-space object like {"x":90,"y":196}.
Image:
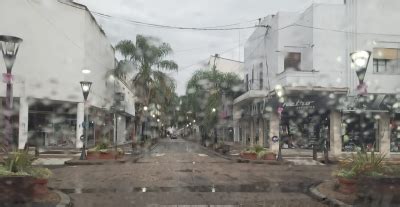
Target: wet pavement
{"x":178,"y":172}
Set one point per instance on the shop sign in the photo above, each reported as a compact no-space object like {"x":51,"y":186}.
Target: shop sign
{"x":299,"y":104}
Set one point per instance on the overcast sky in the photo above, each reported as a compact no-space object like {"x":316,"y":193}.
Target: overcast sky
{"x":192,"y":48}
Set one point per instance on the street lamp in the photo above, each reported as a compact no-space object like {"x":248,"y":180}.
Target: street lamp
{"x":85,"y":85}
{"x":9,"y":46}
{"x":145,"y":108}
{"x":280,"y":92}
{"x":360,"y":60}
{"x":213,"y":110}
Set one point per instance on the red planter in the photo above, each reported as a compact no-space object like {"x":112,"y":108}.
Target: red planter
{"x":248,"y":155}
{"x":270,"y":156}
{"x":103,"y":155}
{"x":347,"y":185}
{"x":16,"y":188}
{"x":40,"y":187}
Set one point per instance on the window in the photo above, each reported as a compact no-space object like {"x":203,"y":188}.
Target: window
{"x":386,"y":60}
{"x":359,"y":131}
{"x":292,"y":61}
{"x":261,"y":80}
{"x":395,"y":133}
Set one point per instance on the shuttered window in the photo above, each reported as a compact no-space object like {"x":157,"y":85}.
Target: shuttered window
{"x":292,"y":61}
{"x":386,"y":60}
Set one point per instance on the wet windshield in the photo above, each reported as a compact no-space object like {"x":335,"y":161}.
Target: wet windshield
{"x":199,"y":103}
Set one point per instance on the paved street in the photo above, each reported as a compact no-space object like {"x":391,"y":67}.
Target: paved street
{"x":178,"y":172}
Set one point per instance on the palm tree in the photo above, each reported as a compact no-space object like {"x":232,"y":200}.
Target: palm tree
{"x":153,"y":87}
{"x":204,"y":93}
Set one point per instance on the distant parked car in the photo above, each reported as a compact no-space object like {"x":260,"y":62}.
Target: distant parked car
{"x":174,"y":136}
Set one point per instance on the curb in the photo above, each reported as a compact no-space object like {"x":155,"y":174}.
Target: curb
{"x":65,"y":200}
{"x":94,"y":162}
{"x":316,"y":194}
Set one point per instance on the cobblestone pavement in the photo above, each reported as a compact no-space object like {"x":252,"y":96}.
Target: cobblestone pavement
{"x":177,"y":172}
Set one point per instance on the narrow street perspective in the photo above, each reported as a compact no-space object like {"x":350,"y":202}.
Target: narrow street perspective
{"x":188,"y":103}
{"x":180,"y":172}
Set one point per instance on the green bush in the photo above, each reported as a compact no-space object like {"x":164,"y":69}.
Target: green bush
{"x":39,"y":172}
{"x":363,"y":163}
{"x":18,"y":161}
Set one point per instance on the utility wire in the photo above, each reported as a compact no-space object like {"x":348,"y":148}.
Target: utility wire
{"x":140,"y":23}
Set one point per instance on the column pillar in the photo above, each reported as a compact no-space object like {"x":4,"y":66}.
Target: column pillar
{"x":79,"y":120}
{"x":23,"y":122}
{"x":274,"y":131}
{"x":335,"y":134}
{"x":383,"y":138}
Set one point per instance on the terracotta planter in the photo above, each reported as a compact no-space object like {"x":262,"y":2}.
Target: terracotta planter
{"x":347,"y":185}
{"x":270,"y":156}
{"x":103,"y":155}
{"x":248,"y":155}
{"x":378,"y":187}
{"x":40,"y":187}
{"x":16,"y":188}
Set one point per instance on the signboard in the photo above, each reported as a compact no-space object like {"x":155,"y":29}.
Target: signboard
{"x":275,"y":139}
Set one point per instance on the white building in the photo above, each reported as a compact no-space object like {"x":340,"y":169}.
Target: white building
{"x":60,"y":39}
{"x":295,"y":59}
{"x":225,"y":124}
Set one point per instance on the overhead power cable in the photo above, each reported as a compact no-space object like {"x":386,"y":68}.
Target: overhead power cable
{"x":140,"y":23}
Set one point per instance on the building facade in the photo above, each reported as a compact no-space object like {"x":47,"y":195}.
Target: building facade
{"x":302,"y":87}
{"x":225,"y":126}
{"x":60,"y":40}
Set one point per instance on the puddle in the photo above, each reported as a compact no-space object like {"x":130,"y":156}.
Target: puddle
{"x":249,"y":188}
{"x":188,"y":170}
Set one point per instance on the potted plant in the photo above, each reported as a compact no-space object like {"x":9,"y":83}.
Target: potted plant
{"x":347,"y":180}
{"x":361,"y":164}
{"x":266,"y":155}
{"x":103,"y":152}
{"x":21,"y":181}
{"x":249,"y":154}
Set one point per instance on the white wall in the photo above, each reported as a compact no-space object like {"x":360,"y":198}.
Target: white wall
{"x":59,"y":41}
{"x":325,"y":35}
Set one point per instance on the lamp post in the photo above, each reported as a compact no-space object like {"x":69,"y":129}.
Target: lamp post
{"x":360,"y":60}
{"x":9,"y":46}
{"x":280,"y":93}
{"x":85,"y":85}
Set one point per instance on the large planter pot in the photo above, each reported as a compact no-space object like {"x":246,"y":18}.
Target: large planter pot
{"x":270,"y":156}
{"x":347,"y":185}
{"x":16,"y":188}
{"x":379,"y":187}
{"x":40,"y":187}
{"x":103,"y":155}
{"x":248,"y":155}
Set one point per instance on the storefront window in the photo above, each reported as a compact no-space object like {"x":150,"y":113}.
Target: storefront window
{"x":395,"y":133}
{"x":359,"y":131}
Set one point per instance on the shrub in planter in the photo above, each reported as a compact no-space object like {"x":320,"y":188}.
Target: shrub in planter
{"x":19,"y":180}
{"x":360,"y":164}
{"x":249,"y":154}
{"x":102,"y":152}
